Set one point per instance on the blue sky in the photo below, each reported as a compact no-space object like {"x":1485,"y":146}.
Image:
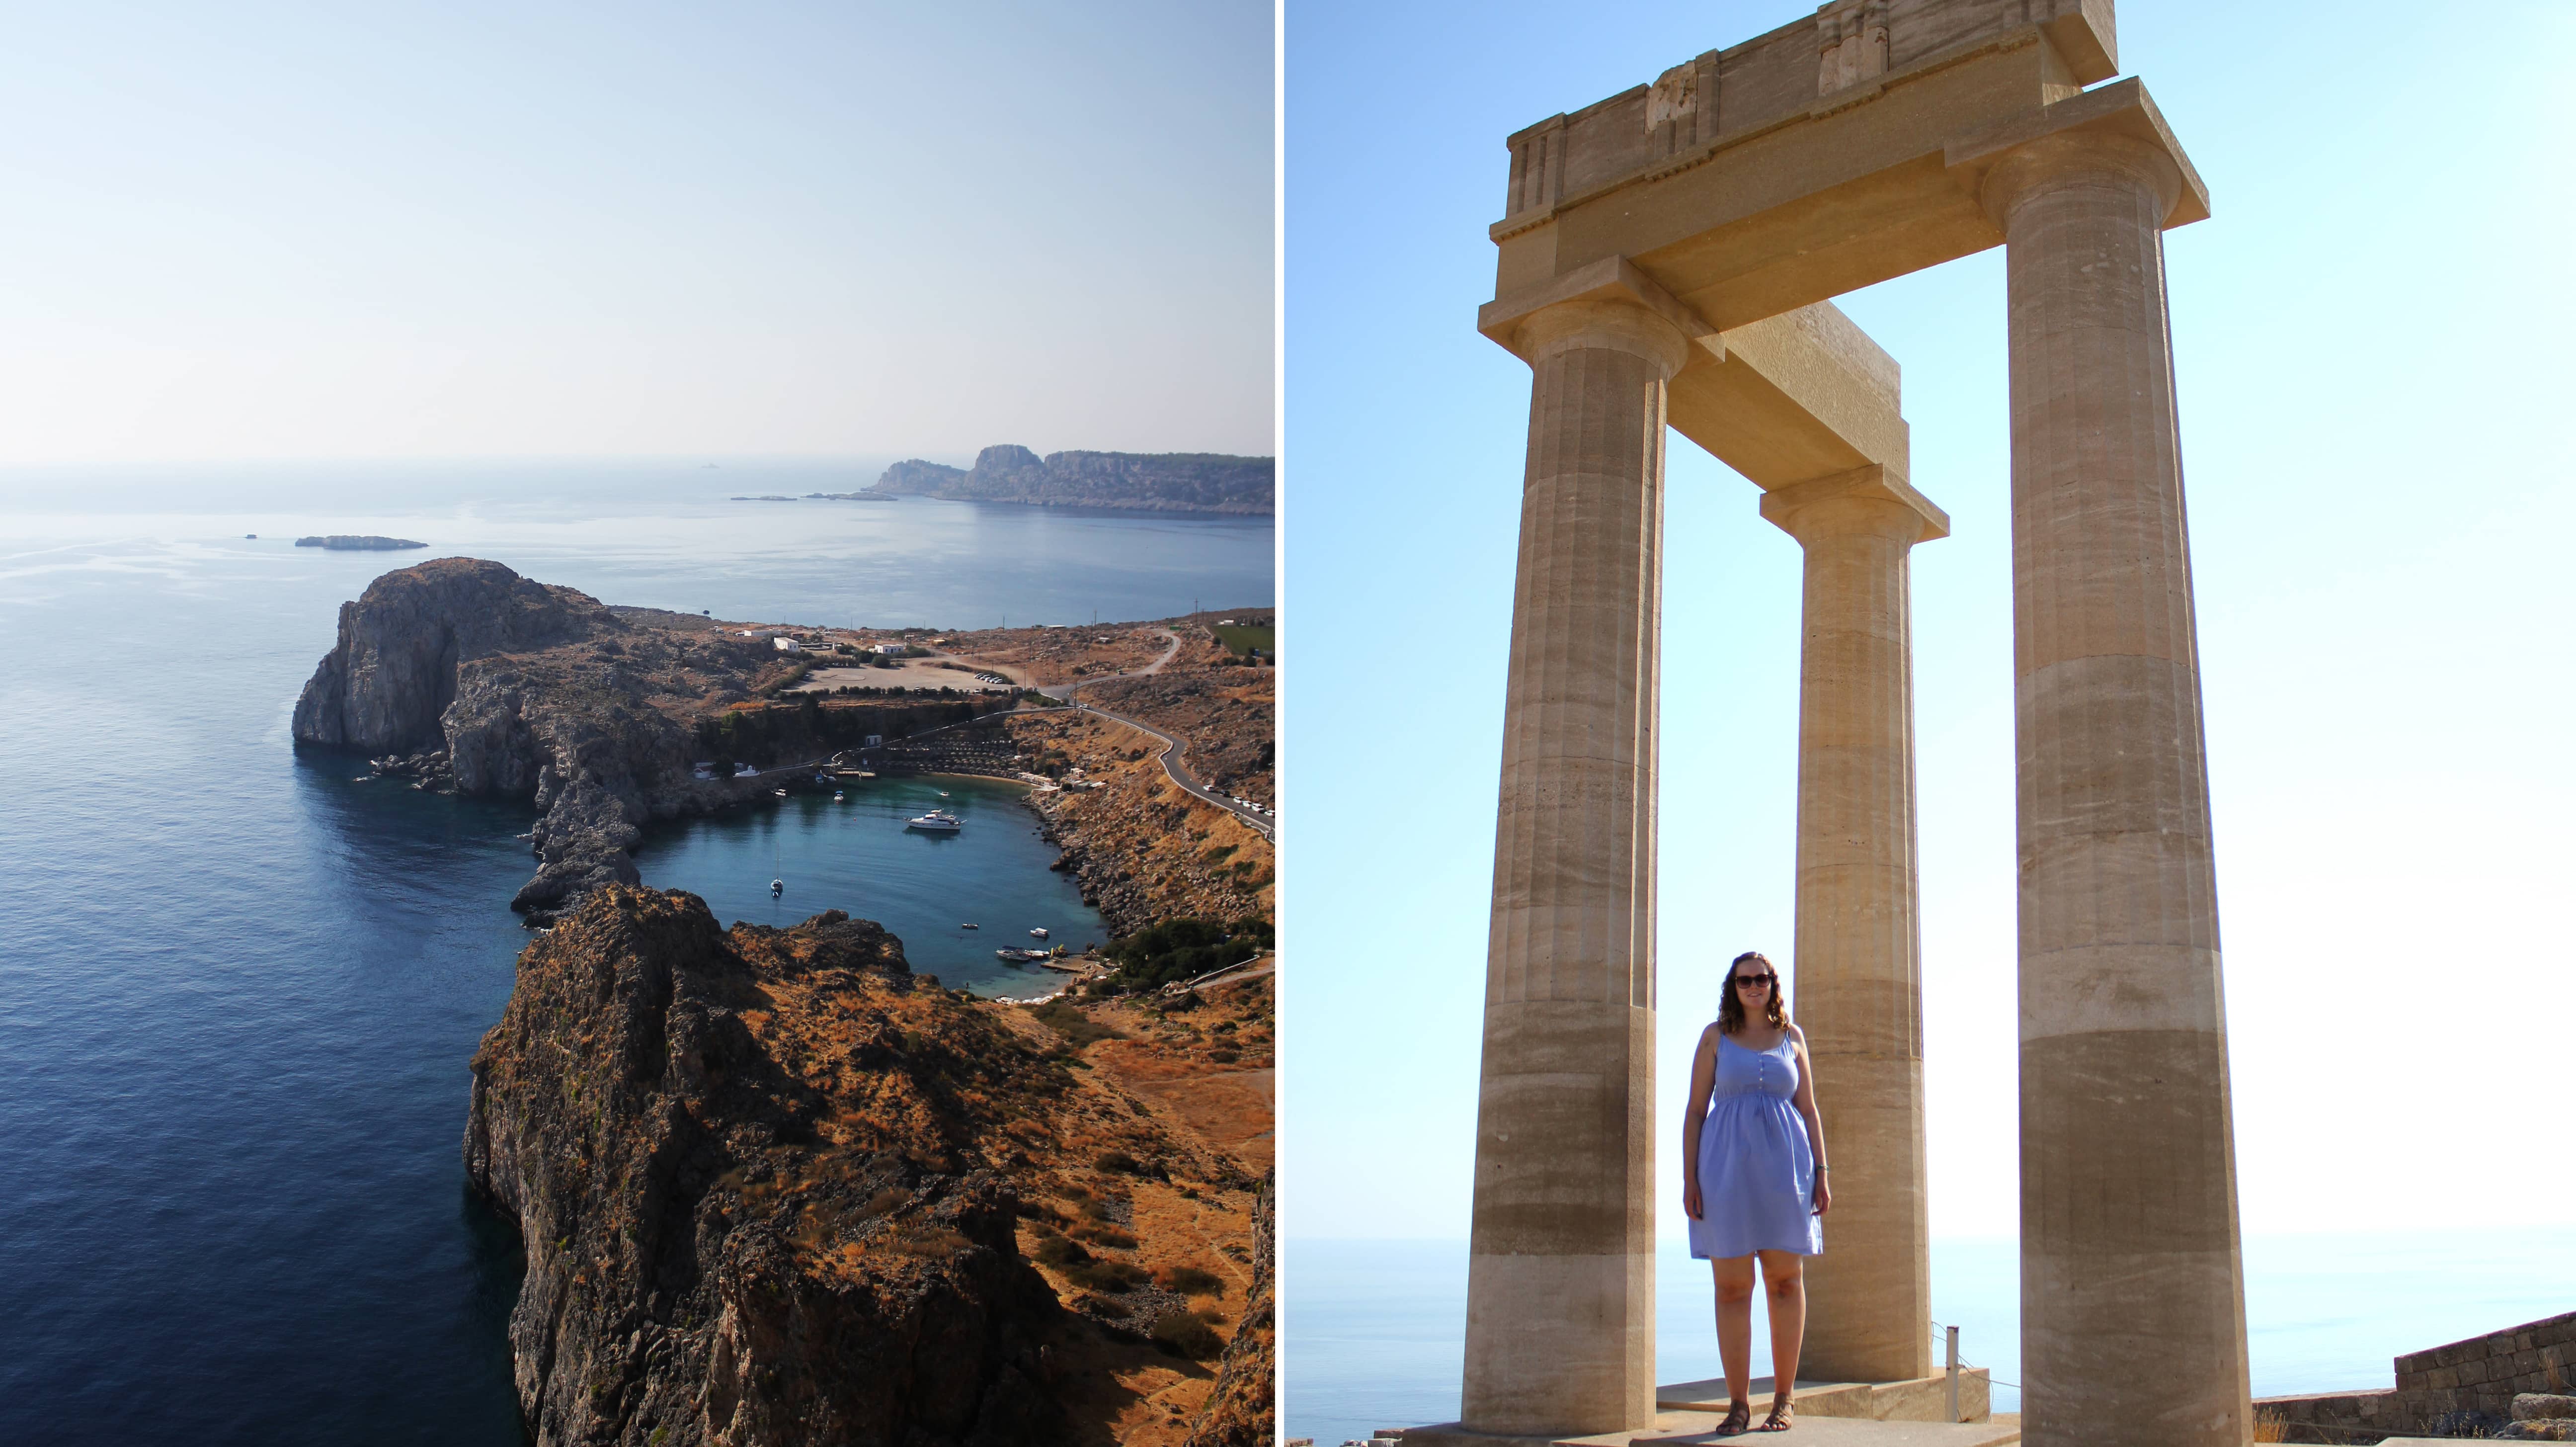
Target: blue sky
{"x":2370,"y":346}
{"x":279,"y":230}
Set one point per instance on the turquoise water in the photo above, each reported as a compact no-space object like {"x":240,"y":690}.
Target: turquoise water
{"x":858,"y":856}
{"x":1374,"y":1331}
{"x":238,"y":990}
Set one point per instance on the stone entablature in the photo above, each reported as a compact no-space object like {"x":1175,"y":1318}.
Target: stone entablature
{"x":1844,"y":53}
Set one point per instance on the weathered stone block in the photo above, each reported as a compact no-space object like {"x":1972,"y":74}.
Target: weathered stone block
{"x":2527,"y":1405}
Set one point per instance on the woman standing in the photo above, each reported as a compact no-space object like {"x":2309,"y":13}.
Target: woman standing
{"x":1753,"y":1173}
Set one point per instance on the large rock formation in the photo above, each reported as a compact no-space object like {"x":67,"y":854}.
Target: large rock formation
{"x":750,"y":1172}
{"x":1155,"y":482}
{"x":383,"y":686}
{"x":775,"y":1189}
{"x":509,"y":687}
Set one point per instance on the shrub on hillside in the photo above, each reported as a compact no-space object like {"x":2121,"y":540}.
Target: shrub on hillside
{"x":1181,"y":949}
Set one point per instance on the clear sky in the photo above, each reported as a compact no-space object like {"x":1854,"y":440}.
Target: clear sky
{"x":306,"y":230}
{"x":2371,"y":345}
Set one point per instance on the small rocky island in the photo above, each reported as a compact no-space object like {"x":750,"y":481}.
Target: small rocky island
{"x":1206,"y":482}
{"x":353,"y":543}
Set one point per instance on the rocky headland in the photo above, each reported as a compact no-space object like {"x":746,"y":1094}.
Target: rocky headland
{"x":1151,"y":481}
{"x":776,"y":1189}
{"x":466,"y":677}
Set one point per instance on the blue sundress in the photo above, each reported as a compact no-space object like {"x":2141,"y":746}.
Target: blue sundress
{"x":1757,"y":1175}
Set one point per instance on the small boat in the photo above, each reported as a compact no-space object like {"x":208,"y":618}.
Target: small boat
{"x":1037,"y":934}
{"x":970,"y":926}
{"x":777,"y":887}
{"x":937,"y":821}
{"x":1019,"y":956}
{"x":943,"y":793}
{"x":836,"y":796}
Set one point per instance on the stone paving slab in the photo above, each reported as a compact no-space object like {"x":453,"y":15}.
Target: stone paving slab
{"x":1694,"y":1428}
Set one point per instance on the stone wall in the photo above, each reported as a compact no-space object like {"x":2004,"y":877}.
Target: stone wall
{"x":2480,"y":1375}
{"x":2485,"y":1371}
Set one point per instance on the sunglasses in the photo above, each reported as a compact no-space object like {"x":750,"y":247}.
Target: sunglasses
{"x":1743,"y":980}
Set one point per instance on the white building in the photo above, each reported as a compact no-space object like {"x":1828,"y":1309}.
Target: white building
{"x":890,"y":650}
{"x":786,"y":645}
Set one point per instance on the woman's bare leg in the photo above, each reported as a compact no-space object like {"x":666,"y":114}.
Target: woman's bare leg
{"x":1735,"y":1323}
{"x":1784,"y":1277}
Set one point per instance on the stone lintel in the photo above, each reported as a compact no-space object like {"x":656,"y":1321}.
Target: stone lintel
{"x":1612,"y":279}
{"x":1781,"y":505}
{"x":1793,"y":398}
{"x":2120,"y":109}
{"x":1785,"y":400}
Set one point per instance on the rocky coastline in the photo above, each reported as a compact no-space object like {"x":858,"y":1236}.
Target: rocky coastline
{"x":1200,"y":482}
{"x":465,"y":677}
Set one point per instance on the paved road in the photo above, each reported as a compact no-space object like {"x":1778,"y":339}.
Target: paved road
{"x":1267,"y":825}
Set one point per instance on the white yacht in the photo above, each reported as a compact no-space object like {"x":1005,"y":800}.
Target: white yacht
{"x":937,"y":821}
{"x":1037,"y":934}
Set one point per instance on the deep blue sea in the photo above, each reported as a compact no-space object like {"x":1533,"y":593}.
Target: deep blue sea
{"x":238,"y":990}
{"x":1373,"y":1332}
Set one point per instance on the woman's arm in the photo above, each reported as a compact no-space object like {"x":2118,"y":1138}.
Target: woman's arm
{"x":1703,"y":1079}
{"x":1805,"y":1100}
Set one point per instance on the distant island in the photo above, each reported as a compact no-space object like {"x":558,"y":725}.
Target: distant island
{"x":1145,"y":481}
{"x":820,"y":497}
{"x":349,"y":543}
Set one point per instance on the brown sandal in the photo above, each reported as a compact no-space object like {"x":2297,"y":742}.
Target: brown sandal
{"x":1738,"y":1418}
{"x":1783,"y":1416}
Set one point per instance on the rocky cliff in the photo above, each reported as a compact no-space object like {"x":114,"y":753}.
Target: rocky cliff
{"x":1159,"y":481}
{"x":776,"y":1189}
{"x":1241,"y":1409}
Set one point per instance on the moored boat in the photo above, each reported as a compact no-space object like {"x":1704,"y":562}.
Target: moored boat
{"x":937,"y":821}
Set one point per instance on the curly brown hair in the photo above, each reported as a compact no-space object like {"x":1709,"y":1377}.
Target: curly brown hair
{"x":1730,"y":1011}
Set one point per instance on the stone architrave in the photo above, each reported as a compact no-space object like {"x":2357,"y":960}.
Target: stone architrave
{"x":1561,"y":1279}
{"x":1859,"y":982}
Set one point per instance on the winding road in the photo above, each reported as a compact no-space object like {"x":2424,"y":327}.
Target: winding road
{"x":1267,"y":825}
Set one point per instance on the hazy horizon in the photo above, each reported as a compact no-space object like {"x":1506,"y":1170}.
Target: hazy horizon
{"x":290,"y":233}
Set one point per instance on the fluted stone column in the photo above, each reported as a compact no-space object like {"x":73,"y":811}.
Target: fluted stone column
{"x":2133,"y":1318}
{"x":1859,"y":985}
{"x":1560,"y":1295}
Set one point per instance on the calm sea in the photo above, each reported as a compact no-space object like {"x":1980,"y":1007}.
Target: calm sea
{"x":238,"y":990}
{"x":1374,"y":1331}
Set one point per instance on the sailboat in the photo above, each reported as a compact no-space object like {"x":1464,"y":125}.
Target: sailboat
{"x":778,"y":886}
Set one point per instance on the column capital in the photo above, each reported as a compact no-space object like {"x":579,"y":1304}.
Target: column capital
{"x":1609,"y":303}
{"x":2115,"y":128}
{"x":1841,"y":503}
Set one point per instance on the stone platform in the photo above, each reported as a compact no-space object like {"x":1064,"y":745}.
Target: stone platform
{"x":1921,"y":1399}
{"x":1699,"y":1427}
{"x":1862,"y":1414}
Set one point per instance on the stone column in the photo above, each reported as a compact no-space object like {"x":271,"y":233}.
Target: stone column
{"x":1561,"y":1283}
{"x":1859,"y":982}
{"x":2133,"y":1316}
